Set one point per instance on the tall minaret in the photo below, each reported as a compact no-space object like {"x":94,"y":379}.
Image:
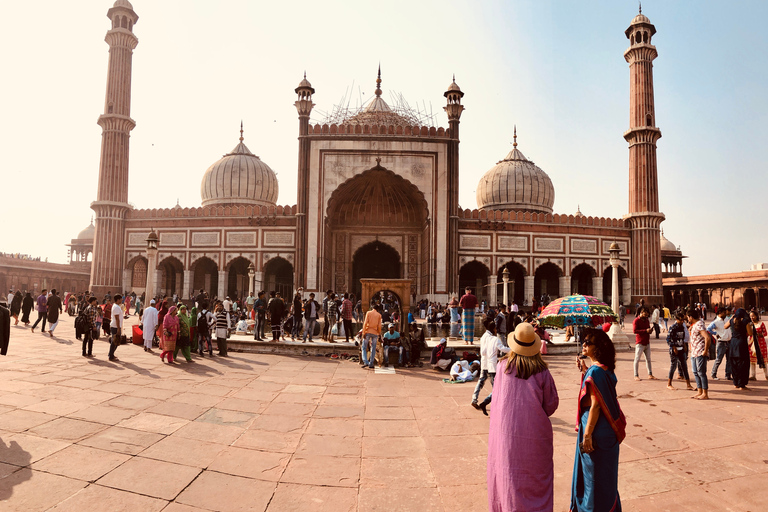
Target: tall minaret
{"x":304,"y":106}
{"x":111,"y":202}
{"x":644,"y":217}
{"x":453,"y":108}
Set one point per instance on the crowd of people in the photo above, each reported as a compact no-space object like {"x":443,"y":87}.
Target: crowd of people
{"x":523,"y":394}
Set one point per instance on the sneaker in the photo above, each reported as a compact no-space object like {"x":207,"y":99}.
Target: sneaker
{"x":113,"y":358}
{"x":714,"y":377}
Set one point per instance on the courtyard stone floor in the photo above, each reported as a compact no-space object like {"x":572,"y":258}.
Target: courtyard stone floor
{"x":283,"y":433}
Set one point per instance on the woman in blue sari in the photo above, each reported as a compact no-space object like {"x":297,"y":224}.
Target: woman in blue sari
{"x":600,"y":429}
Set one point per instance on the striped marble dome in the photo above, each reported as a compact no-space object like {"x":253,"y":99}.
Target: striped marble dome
{"x":240,"y":177}
{"x":516,"y":183}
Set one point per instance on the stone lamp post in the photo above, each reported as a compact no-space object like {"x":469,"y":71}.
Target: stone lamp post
{"x":505,"y":278}
{"x":251,"y":276}
{"x":614,"y":251}
{"x":152,"y":240}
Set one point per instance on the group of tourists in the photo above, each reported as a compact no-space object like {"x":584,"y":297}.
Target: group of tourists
{"x":737,"y":336}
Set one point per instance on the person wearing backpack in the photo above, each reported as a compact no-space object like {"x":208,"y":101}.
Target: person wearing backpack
{"x":204,"y":322}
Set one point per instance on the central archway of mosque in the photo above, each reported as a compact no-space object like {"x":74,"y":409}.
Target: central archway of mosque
{"x":377,"y":226}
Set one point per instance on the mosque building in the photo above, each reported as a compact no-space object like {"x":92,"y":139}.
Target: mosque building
{"x":377,"y":198}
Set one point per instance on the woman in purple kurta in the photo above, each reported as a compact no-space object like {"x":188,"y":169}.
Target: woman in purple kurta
{"x":520,"y":467}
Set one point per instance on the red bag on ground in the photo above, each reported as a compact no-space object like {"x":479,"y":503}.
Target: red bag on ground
{"x":138,"y":335}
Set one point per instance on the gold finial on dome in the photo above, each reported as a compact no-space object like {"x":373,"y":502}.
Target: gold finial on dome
{"x":514,"y":138}
{"x":640,"y":7}
{"x":241,"y":128}
{"x":378,"y":82}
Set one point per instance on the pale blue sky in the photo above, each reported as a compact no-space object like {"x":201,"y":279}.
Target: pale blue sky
{"x":556,"y":69}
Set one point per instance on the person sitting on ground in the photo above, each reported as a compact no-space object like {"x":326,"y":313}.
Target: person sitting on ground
{"x":463,"y":371}
{"x":242,"y":325}
{"x":442,"y":356}
{"x":392,"y":344}
{"x":415,"y":341}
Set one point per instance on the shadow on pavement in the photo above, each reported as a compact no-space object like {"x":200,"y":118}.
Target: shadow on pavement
{"x":14,"y":454}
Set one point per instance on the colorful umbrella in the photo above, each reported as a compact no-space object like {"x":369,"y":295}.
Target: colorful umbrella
{"x":577,"y":310}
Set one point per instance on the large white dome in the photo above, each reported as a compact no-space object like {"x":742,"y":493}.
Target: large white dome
{"x":240,"y":177}
{"x":516,"y":183}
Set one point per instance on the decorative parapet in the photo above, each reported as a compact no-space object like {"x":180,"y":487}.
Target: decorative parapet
{"x":213,"y":211}
{"x":364,"y":129}
{"x":492,"y":216}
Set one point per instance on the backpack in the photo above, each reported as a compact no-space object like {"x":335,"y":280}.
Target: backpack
{"x":202,"y":322}
{"x":81,"y":323}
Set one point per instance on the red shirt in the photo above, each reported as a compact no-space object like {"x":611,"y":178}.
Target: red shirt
{"x":640,"y":327}
{"x":346,"y":309}
{"x":468,"y":301}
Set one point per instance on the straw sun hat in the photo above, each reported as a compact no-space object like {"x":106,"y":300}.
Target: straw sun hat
{"x":524,"y":341}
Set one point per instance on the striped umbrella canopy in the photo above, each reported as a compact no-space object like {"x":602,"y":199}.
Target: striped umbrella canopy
{"x":582,"y":310}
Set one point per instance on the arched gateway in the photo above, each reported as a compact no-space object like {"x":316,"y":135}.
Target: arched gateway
{"x":377,"y":223}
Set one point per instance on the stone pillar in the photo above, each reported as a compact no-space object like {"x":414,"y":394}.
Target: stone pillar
{"x":565,"y":286}
{"x":597,"y":287}
{"x":258,"y":283}
{"x":188,"y":276}
{"x":528,"y":290}
{"x":626,"y":298}
{"x":493,"y":292}
{"x":127,"y":275}
{"x":222,"y":292}
{"x":159,"y":290}
{"x":149,"y":287}
{"x":179,"y":284}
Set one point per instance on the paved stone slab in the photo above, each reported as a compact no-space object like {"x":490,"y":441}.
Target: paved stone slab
{"x":291,"y":433}
{"x":81,"y":462}
{"x":150,"y":477}
{"x":97,"y":497}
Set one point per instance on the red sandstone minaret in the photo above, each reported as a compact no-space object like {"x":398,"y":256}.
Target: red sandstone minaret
{"x":111,"y":202}
{"x":304,"y":106}
{"x":453,"y":108}
{"x":644,"y":217}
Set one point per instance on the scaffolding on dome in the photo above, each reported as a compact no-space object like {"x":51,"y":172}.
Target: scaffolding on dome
{"x":400,"y":112}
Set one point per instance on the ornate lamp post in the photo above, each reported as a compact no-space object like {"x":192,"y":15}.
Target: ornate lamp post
{"x":152,"y":240}
{"x":505,"y":278}
{"x":614,"y":251}
{"x":251,"y":276}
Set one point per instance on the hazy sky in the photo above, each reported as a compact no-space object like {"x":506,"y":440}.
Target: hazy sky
{"x":553,"y":68}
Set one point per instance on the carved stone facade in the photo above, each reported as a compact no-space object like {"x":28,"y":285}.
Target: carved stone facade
{"x":377,"y":198}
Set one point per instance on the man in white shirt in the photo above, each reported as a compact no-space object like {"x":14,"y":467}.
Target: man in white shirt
{"x":490,"y":347}
{"x":723,"y":337}
{"x":149,"y":322}
{"x":227,"y":304}
{"x":116,"y":326}
{"x":655,"y":320}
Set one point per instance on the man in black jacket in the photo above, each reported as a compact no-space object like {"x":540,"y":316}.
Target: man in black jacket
{"x":311,"y":310}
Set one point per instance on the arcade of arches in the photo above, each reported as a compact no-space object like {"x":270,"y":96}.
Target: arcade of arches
{"x":378,"y":228}
{"x":747,"y":297}
{"x":547,"y":279}
{"x":204,"y":274}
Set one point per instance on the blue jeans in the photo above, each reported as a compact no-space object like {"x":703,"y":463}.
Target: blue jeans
{"x":485,"y":374}
{"x":722,"y":351}
{"x":309,"y":327}
{"x":296,"y":330}
{"x":202,"y":340}
{"x":366,"y":360}
{"x":699,"y":365}
{"x":387,"y":349}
